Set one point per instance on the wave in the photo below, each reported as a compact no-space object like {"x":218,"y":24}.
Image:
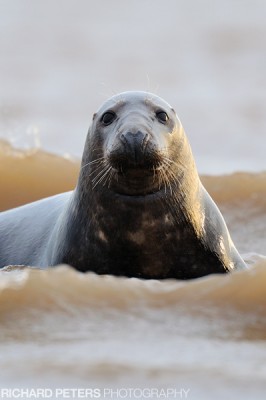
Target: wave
{"x":28,"y":175}
{"x":56,"y":287}
{"x":63,"y":327}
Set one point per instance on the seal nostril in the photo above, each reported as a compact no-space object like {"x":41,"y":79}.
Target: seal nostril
{"x":123,"y":138}
{"x":145,"y":141}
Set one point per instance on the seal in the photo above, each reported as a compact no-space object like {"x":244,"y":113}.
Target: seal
{"x":138,"y":210}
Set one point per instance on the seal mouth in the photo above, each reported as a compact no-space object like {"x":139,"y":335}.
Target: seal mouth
{"x":138,"y":181}
{"x":123,"y":164}
{"x":128,"y":178}
{"x":134,"y":181}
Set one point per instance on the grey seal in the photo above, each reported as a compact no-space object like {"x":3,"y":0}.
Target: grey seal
{"x":138,"y":210}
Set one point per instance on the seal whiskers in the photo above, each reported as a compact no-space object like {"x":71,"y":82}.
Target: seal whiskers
{"x":101,"y":175}
{"x":98,"y":160}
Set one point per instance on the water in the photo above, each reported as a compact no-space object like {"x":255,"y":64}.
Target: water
{"x":63,"y":329}
{"x":62,"y":59}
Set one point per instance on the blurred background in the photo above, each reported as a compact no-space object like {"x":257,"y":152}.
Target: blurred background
{"x":60,"y":59}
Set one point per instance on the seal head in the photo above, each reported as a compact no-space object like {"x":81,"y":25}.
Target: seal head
{"x":132,"y":140}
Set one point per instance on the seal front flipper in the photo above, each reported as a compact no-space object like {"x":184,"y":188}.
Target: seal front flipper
{"x":216,"y":236}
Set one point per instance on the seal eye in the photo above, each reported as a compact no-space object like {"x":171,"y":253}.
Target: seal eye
{"x":162,"y":116}
{"x":108,"y":117}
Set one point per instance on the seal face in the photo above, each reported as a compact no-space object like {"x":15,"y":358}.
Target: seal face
{"x":131,"y":141}
{"x":139,"y":208}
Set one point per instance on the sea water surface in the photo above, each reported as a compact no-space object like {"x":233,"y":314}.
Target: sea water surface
{"x":63,"y":329}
